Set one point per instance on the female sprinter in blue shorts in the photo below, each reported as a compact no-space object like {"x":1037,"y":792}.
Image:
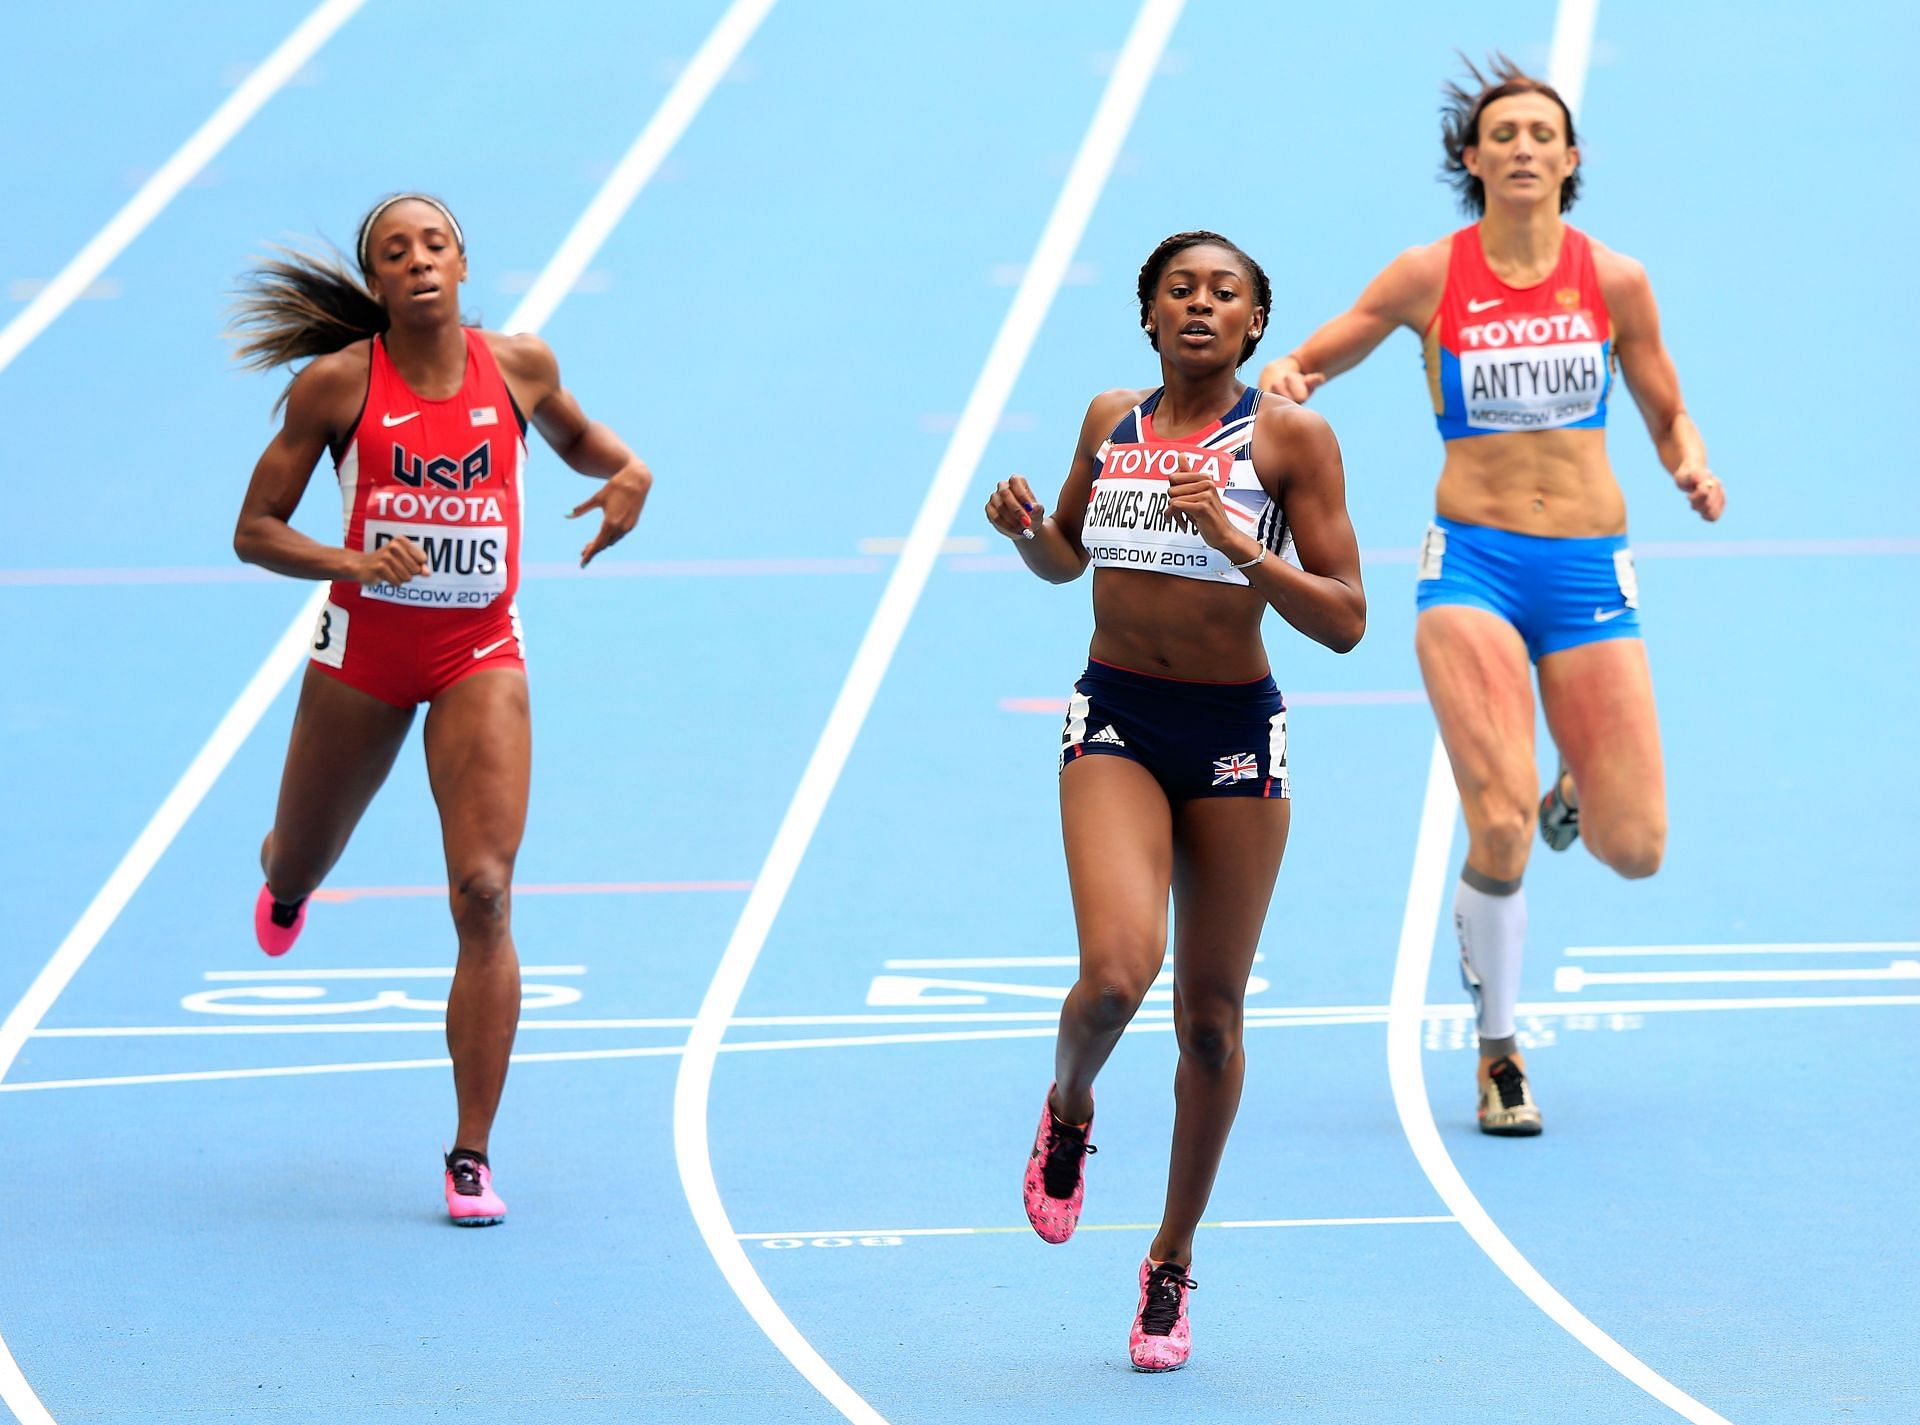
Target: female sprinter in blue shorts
{"x":1173,"y":763}
{"x":425,"y":419}
{"x":1524,"y":319}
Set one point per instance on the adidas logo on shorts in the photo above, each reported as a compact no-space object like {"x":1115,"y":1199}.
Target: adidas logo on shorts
{"x":1107,"y":734}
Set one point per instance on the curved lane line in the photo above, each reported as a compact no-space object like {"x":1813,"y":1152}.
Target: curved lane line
{"x":1406,"y":1009}
{"x":692,"y":1149}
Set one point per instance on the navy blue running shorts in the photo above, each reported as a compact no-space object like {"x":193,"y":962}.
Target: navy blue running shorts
{"x":1197,"y":739}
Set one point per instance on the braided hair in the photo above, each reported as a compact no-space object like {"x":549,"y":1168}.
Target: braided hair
{"x":1156,"y":264}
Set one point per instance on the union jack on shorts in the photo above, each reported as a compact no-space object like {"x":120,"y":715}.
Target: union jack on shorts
{"x":1237,"y":768}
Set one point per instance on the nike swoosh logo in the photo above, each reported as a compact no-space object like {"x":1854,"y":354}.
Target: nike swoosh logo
{"x":1473,"y":306}
{"x":398,"y":420}
{"x":1602,"y":615}
{"x":483,"y":652}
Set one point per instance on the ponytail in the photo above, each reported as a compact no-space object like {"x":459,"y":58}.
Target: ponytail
{"x":297,"y":306}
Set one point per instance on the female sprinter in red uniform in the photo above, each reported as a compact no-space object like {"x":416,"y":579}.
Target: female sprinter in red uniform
{"x":1524,"y":319}
{"x":425,"y":419}
{"x":1173,"y":763}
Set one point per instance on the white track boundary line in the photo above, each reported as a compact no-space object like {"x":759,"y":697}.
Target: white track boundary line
{"x":1572,"y":45}
{"x":1433,"y":1014}
{"x":683,"y":101}
{"x":1248,"y":1225}
{"x":1072,"y":210}
{"x":1571,"y":51}
{"x":1405,"y":1014}
{"x":1807,"y":947}
{"x":173,"y":175}
{"x":1145,"y":1020}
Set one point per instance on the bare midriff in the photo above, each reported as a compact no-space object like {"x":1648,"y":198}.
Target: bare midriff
{"x":1555,"y":483}
{"x":1178,"y":628}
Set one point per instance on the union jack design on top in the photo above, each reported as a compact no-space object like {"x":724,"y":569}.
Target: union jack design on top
{"x":1238,"y":768}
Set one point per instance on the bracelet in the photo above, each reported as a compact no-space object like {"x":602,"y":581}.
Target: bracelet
{"x":1255,"y":560}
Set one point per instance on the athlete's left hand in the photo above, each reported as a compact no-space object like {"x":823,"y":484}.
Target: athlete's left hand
{"x":619,"y":501}
{"x":1194,"y":495}
{"x":1703,"y":490}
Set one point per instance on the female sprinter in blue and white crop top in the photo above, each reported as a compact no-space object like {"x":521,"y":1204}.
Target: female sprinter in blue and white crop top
{"x":1173,"y":764}
{"x":1524,"y":318}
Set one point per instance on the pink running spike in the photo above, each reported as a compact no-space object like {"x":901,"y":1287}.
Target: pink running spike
{"x":1054,"y":1218}
{"x":471,"y":1200}
{"x":275,"y":939}
{"x":1162,"y":1338}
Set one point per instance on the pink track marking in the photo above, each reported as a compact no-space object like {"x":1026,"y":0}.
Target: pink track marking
{"x":561,"y":888}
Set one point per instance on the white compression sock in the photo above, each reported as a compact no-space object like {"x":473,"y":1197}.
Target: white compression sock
{"x":1490,"y":918}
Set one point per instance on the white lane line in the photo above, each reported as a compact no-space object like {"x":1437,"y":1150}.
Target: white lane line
{"x":1571,"y":979}
{"x":434,"y":1025}
{"x":987,"y":962}
{"x":930,"y":529}
{"x":299,"y":1071}
{"x":690,"y":90}
{"x":1571,"y":50}
{"x":1000,"y":962}
{"x":112,"y":898}
{"x":1141,"y":1025}
{"x":1811,"y":947}
{"x":1147,"y":1019}
{"x":176,"y":173}
{"x":1405,"y":1014}
{"x":416,"y":972}
{"x":668,"y":123}
{"x":146,"y":850}
{"x":1249,"y":1225}
{"x":1572,"y":44}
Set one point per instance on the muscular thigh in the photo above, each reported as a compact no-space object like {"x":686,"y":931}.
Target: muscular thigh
{"x":479,"y":751}
{"x":1119,"y":842}
{"x":1479,"y":682}
{"x":1599,"y":704}
{"x":1227,"y":853}
{"x":341,"y":748}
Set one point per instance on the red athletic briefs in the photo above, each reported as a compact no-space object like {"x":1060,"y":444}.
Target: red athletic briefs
{"x":447,"y":475}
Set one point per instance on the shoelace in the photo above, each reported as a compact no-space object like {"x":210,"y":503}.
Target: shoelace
{"x":1061,"y":1172}
{"x":1563,"y":812}
{"x":1162,"y":1310}
{"x":466,"y":1175}
{"x":1511,"y":1083}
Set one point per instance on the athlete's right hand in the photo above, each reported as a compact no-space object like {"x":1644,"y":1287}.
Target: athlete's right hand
{"x":1012,"y":509}
{"x":394,"y":562}
{"x":1284,"y":377}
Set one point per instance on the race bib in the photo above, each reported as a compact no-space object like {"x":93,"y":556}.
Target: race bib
{"x":1532,"y":387}
{"x":1625,"y":576}
{"x":1130,"y":522}
{"x":329,"y":642}
{"x":466,"y":564}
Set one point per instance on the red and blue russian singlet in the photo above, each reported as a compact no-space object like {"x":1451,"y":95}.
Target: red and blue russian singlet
{"x":1503,"y":358}
{"x":447,"y":475}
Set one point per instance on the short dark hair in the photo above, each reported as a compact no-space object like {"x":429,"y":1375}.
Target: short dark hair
{"x":1460,"y":112}
{"x":1156,"y":264}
